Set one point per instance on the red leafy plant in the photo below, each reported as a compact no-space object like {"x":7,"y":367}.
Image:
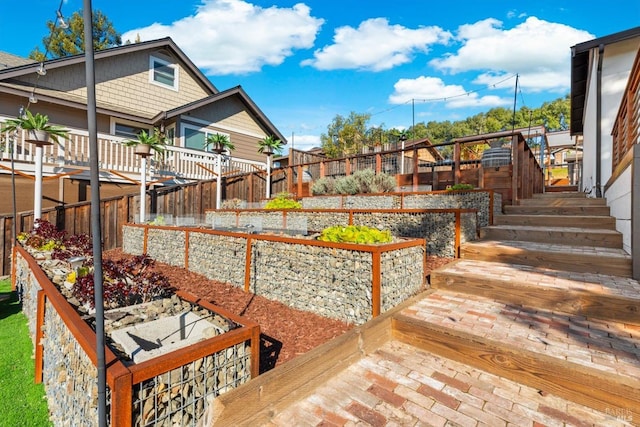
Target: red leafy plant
{"x":125,"y":282}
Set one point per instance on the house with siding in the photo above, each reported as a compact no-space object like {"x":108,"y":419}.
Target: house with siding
{"x":604,"y":94}
{"x":141,"y":86}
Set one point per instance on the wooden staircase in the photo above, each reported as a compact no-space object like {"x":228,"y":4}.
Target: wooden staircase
{"x":544,"y":298}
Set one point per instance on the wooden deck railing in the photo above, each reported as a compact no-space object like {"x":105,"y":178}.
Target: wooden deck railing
{"x":73,"y":153}
{"x":626,"y":129}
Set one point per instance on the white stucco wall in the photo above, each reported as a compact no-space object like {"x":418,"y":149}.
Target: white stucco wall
{"x":617,"y":62}
{"x":618,"y":197}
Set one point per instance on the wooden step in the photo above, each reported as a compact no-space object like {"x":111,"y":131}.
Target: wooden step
{"x":562,"y":235}
{"x":562,"y":201}
{"x":587,"y":259}
{"x":591,"y":362}
{"x":560,"y":194}
{"x":557,"y":210}
{"x":581,"y":221}
{"x":585,"y":294}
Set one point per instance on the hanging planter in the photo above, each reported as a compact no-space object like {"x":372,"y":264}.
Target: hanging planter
{"x":142,"y":149}
{"x":39,"y":131}
{"x":38,"y":137}
{"x":269,"y":145}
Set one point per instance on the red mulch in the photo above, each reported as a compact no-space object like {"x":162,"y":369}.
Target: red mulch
{"x":286,"y":332}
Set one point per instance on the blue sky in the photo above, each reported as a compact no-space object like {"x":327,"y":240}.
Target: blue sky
{"x":402,"y":62}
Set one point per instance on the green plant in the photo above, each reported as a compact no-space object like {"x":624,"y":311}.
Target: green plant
{"x":283,"y":200}
{"x":458,"y":187}
{"x":323,"y":185}
{"x":346,"y":185}
{"x":270,"y":145}
{"x":218,"y":142}
{"x":355,"y":234}
{"x":154,"y":140}
{"x":21,"y":399}
{"x":234,"y":204}
{"x":35,"y":122}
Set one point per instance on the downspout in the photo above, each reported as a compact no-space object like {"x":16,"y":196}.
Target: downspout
{"x":599,"y":120}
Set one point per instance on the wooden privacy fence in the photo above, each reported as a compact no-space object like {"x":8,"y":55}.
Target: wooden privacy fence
{"x":126,"y":383}
{"x":520,"y":180}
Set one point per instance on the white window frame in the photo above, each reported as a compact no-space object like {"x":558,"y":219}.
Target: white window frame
{"x":114,"y":121}
{"x":165,"y":63}
{"x":206,"y":132}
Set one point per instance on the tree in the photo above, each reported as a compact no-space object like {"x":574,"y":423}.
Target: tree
{"x":345,"y":136}
{"x":62,"y":42}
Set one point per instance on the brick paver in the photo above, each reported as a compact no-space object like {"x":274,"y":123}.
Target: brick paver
{"x":597,"y":344}
{"x":406,"y":386}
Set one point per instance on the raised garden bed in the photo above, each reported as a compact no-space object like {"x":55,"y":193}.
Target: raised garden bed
{"x":165,"y":389}
{"x":348,"y":282}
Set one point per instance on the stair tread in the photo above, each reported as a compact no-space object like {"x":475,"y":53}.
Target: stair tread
{"x":542,"y":278}
{"x":417,"y":376}
{"x":553,"y":229}
{"x":609,"y":347}
{"x":552,"y":247}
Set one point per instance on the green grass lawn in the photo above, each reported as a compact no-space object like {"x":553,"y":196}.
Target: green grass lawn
{"x":22,"y":401}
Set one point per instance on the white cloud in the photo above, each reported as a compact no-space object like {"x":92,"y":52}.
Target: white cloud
{"x":375,"y":45}
{"x":426,"y":89}
{"x":234,"y":36}
{"x":537,"y":50}
{"x":304,"y":142}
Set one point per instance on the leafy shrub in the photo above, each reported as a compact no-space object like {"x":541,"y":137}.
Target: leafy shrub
{"x":44,"y":236}
{"x":346,"y":185}
{"x":234,"y":204}
{"x":361,"y":182}
{"x":126,"y":282}
{"x":283,"y":200}
{"x":323,"y":186}
{"x":457,"y":187}
{"x":355,"y":234}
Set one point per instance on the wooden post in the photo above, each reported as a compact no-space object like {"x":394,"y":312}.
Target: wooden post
{"x":458,"y":233}
{"x":414,"y":180}
{"x":456,"y":163}
{"x":299,"y":182}
{"x":515,"y":170}
{"x":40,"y":304}
{"x":247,"y":266}
{"x":347,"y":167}
{"x":290,"y":180}
{"x":375,"y":283}
{"x":378,"y":163}
{"x":322,"y":169}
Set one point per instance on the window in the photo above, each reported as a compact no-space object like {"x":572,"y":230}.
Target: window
{"x":163,"y":73}
{"x":195,"y":137}
{"x":128,"y":131}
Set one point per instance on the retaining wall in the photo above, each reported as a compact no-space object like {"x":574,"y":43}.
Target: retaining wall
{"x":167,"y":390}
{"x":442,"y":229}
{"x":349,"y":282}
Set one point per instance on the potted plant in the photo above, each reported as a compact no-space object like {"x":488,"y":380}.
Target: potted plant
{"x":39,"y":131}
{"x":269,"y":145}
{"x":218,"y":143}
{"x":146,"y":142}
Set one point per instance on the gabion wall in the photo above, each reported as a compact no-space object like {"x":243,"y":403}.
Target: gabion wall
{"x":440,"y":200}
{"x":437,"y":228}
{"x":331,"y":282}
{"x":172,"y":398}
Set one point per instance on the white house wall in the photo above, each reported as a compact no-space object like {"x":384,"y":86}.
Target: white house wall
{"x":619,"y":202}
{"x":616,"y":66}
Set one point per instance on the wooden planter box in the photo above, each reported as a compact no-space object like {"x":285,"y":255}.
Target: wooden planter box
{"x":137,"y":394}
{"x":349,"y":282}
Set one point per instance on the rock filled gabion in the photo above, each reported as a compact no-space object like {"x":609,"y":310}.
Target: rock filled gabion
{"x":178,"y":397}
{"x":331,"y":282}
{"x":437,"y":228}
{"x":479,"y":200}
{"x":166,"y":247}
